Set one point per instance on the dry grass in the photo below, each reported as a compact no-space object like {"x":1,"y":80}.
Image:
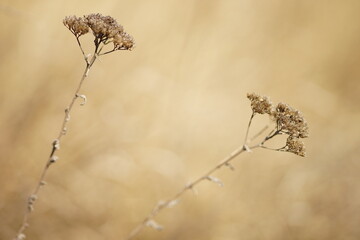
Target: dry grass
{"x":167,"y":111}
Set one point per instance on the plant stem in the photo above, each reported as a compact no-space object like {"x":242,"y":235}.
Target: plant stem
{"x":52,"y":158}
{"x":225,"y":162}
{"x":158,"y":207}
{"x":248,"y":128}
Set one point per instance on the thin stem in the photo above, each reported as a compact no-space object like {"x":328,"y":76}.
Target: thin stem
{"x":158,"y":207}
{"x":270,"y":136}
{"x":52,"y":158}
{"x":274,"y":149}
{"x":107,"y":52}
{"x":225,"y":162}
{"x":248,"y":128}
{"x":82,"y":50}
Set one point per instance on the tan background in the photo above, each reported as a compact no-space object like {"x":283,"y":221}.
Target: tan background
{"x":161,"y":115}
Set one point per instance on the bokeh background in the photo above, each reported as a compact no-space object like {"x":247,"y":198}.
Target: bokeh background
{"x":163,"y":114}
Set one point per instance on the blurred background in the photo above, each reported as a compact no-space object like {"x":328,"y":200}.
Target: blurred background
{"x":163,"y":114}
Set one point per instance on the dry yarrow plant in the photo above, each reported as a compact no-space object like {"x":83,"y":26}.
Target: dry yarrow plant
{"x":287,"y":121}
{"x":106,"y":31}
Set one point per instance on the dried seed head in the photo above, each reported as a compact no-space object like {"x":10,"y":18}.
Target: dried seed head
{"x":290,"y":121}
{"x":260,"y":104}
{"x":294,"y":145}
{"x":103,"y":27}
{"x":76,"y":25}
{"x":123,"y":41}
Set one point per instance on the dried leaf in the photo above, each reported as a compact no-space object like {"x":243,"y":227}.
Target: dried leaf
{"x":151,"y":223}
{"x":53,"y":159}
{"x":30,"y":207}
{"x":32,"y":198}
{"x":215,"y":180}
{"x":230,"y":166}
{"x":67,"y":114}
{"x":20,"y":236}
{"x":56,"y":144}
{"x":172,"y":203}
{"x":83,"y":97}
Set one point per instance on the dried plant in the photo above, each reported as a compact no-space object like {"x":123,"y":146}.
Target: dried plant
{"x":106,"y":31}
{"x":287,"y":121}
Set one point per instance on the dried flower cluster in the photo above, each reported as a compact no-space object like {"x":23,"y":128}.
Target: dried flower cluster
{"x":294,"y":145}
{"x":104,"y":28}
{"x":288,"y":121}
{"x":76,"y":25}
{"x":260,"y":104}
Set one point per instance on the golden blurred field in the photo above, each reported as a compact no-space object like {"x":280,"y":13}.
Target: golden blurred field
{"x":163,"y":114}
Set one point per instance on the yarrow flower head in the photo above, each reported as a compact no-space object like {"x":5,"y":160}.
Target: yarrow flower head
{"x":123,"y":41}
{"x":104,"y":28}
{"x":260,"y":104}
{"x":76,"y":25}
{"x":294,"y":145}
{"x":290,"y":121}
